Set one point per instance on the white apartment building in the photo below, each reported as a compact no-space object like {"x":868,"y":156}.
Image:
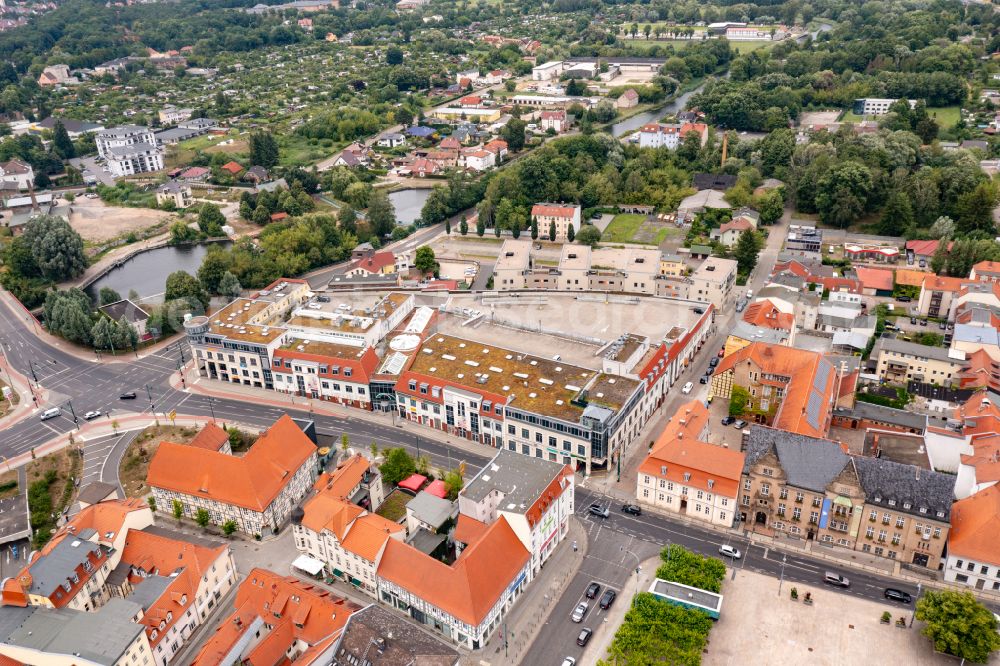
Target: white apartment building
{"x":129,"y":149}
{"x":713,"y":282}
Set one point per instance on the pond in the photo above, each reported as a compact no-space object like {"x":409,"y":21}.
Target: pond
{"x":408,"y":204}
{"x":147,"y":272}
{"x":670,"y":108}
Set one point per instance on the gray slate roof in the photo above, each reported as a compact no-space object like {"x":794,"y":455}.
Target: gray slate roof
{"x":54,"y":569}
{"x":430,"y":509}
{"x":872,"y":412}
{"x":914,"y":349}
{"x":520,"y":480}
{"x":809,"y":463}
{"x":404,"y":644}
{"x":885,"y":481}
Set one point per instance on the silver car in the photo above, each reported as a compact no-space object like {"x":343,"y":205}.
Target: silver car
{"x":580,"y":611}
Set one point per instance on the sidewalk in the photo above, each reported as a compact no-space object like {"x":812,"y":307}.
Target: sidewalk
{"x":20,"y":384}
{"x":532,"y":609}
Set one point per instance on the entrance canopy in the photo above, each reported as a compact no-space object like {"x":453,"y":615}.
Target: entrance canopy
{"x":310,"y":565}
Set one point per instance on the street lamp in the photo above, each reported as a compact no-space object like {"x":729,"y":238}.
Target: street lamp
{"x":914,"y":614}
{"x":638,"y":567}
{"x":211,"y":407}
{"x":781,"y":580}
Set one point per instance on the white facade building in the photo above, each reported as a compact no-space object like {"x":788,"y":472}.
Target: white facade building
{"x":129,"y":149}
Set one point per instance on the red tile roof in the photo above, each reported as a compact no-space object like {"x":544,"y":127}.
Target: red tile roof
{"x":449,"y":143}
{"x":376,"y":262}
{"x":980,"y":370}
{"x":251,"y":482}
{"x":232,"y":167}
{"x":195,"y":172}
{"x":985,"y":457}
{"x":924,"y":248}
{"x":766,"y":315}
{"x":211,"y":437}
{"x":874,"y":278}
{"x":801,"y":367}
{"x":468,"y":530}
{"x":909,"y":277}
{"x":975,"y":527}
{"x":298,"y":613}
{"x":987,"y":267}
{"x":468,"y":589}
{"x":941,"y":283}
{"x":553,"y":210}
{"x":679,"y":451}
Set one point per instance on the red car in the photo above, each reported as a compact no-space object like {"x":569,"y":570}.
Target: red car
{"x":722,"y":352}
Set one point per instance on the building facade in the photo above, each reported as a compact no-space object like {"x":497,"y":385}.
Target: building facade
{"x":713,"y":282}
{"x":563,"y":216}
{"x":129,"y":149}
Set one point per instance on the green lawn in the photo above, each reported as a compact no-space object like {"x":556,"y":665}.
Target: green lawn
{"x":740,"y":47}
{"x":622,"y":228}
{"x":394,"y":506}
{"x":946,"y":116}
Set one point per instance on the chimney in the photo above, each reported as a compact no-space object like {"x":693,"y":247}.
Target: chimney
{"x":34,"y":201}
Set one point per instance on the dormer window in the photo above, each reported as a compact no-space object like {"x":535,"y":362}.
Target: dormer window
{"x":711,"y":483}
{"x":184,"y":599}
{"x":923,"y":509}
{"x":163,"y":625}
{"x":906,"y":505}
{"x":940,"y":514}
{"x":892,"y":502}
{"x":663,"y":470}
{"x":687,"y":476}
{"x":153,"y":634}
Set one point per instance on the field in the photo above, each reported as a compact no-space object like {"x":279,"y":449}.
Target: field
{"x":97,"y":221}
{"x":739,"y":47}
{"x":635,"y":228}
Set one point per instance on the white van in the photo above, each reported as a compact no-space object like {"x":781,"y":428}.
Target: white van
{"x":50,"y":413}
{"x":687,"y":388}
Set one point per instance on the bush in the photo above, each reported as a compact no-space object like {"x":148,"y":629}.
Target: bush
{"x":687,"y":568}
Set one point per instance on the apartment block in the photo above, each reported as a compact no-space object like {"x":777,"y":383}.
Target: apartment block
{"x":563,"y":216}
{"x":974,"y":541}
{"x":900,"y":361}
{"x":713,"y":282}
{"x":257,"y":491}
{"x":334,"y":372}
{"x":129,"y":149}
{"x":513,"y":265}
{"x":937,"y":294}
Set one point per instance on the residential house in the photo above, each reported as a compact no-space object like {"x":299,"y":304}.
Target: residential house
{"x":176,"y":582}
{"x":980,"y":370}
{"x":133,"y":314}
{"x":900,"y":361}
{"x":422,"y":168}
{"x":811,"y":488}
{"x":176,"y":192}
{"x":791,"y":389}
{"x":278,"y":619}
{"x":171,"y":115}
{"x":978,"y":449}
{"x":74,"y":128}
{"x":257,"y":491}
{"x":553,"y":120}
{"x":875,"y":281}
{"x":72,"y":569}
{"x":670,"y":136}
{"x":974,"y":541}
{"x":476,"y":159}
{"x":713,"y":282}
{"x":377,"y":263}
{"x":729,"y":232}
{"x":347,"y":539}
{"x":234,"y":169}
{"x":196,"y":174}
{"x":672,"y":264}
{"x":936,"y":295}
{"x":56,"y":75}
{"x":391,"y":140}
{"x":534,"y":496}
{"x":684,"y":474}
{"x":498,"y":147}
{"x":627,"y":100}
{"x":17,"y":173}
{"x":394,"y":639}
{"x":921,"y":252}
{"x":256,"y":174}
{"x":563,"y":215}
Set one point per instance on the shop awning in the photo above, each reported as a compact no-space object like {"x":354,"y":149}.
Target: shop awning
{"x":355,"y":582}
{"x":310,"y":565}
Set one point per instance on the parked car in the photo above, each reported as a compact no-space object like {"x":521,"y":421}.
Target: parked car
{"x":835,"y":579}
{"x":923,"y":322}
{"x":739,"y":424}
{"x":592,"y":590}
{"x":726,"y":420}
{"x":714,"y":362}
{"x":607,"y":599}
{"x":634,"y":509}
{"x":584,"y":636}
{"x":91,"y":415}
{"x":598,"y":509}
{"x":943,"y":326}
{"x":722,"y":352}
{"x":709,"y":371}
{"x":703,"y":379}
{"x":893,"y":594}
{"x":913,"y":320}
{"x":687,"y":388}
{"x":128,"y":395}
{"x":730,"y":551}
{"x":580,"y":612}
{"x":904,"y":299}
{"x":569,"y":661}
{"x":699,"y":310}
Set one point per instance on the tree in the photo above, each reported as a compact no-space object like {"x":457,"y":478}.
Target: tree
{"x":183,"y":285}
{"x":480,"y":226}
{"x":552,"y":230}
{"x":424,"y":260}
{"x":181,"y":232}
{"x":229,"y":527}
{"x":570,"y":233}
{"x":211,"y":219}
{"x":61,"y":143}
{"x":842,"y":193}
{"x":108,"y":295}
{"x":201,"y":517}
{"x":394,"y":55}
{"x":57,"y":249}
{"x":447,"y":226}
{"x":745,"y":252}
{"x":770,"y":205}
{"x":398,"y":465}
{"x":534,"y":228}
{"x":454,"y":482}
{"x":974,"y":210}
{"x":943,"y":227}
{"x":958,"y":625}
{"x":213,"y":267}
{"x":463,"y":226}
{"x":381,"y":214}
{"x":687,"y":568}
{"x":178,"y":509}
{"x":229,"y":286}
{"x":263,"y":149}
{"x":67,"y":313}
{"x":513,"y":134}
{"x":589,"y":235}
{"x":151,"y":502}
{"x":897,"y":216}
{"x":515,"y":228}
{"x":738,"y":401}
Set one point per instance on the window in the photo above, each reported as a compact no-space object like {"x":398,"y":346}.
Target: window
{"x":799,"y":497}
{"x":885,"y":518}
{"x":783,"y":494}
{"x":813,"y":517}
{"x":781,"y":510}
{"x":768,"y":471}
{"x":765,"y":488}
{"x":985,"y":570}
{"x":899,"y":521}
{"x":881,"y":535}
{"x":746,"y":484}
{"x":796,"y":513}
{"x":816,"y":501}
{"x":870,"y":532}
